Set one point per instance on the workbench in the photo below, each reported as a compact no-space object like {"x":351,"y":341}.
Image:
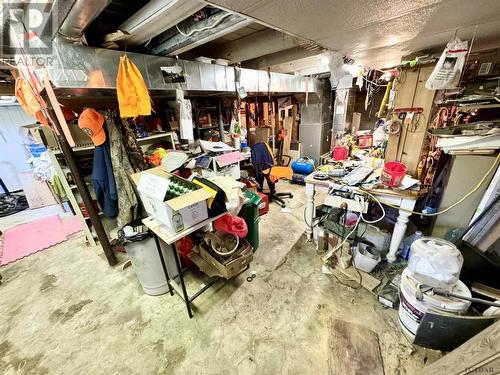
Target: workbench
{"x":160,"y":232}
{"x":404,"y":199}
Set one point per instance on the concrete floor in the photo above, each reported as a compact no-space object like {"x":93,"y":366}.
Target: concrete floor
{"x":65,"y":311}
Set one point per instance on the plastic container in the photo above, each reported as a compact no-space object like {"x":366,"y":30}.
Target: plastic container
{"x":366,"y":257}
{"x":303,"y":166}
{"x":379,"y":135}
{"x":340,"y":153}
{"x":250,"y":213}
{"x":406,"y":245}
{"x":365,"y":141}
{"x":380,"y":238}
{"x":146,"y":262}
{"x":435,"y":262}
{"x":36,"y":149}
{"x":411,"y":310}
{"x":393,"y":173}
{"x":236,"y":141}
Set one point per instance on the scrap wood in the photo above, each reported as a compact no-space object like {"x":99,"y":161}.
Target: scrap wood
{"x":367,"y":281}
{"x":353,"y":349}
{"x":486,"y":290}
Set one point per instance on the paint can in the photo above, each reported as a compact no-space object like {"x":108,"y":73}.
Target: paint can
{"x":412,"y":311}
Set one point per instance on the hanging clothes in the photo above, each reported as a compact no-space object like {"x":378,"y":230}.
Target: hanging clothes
{"x":128,"y":204}
{"x":134,"y":151}
{"x":133,"y":95}
{"x":104,"y":181}
{"x":28,"y":101}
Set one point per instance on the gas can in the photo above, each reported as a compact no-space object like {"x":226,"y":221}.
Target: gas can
{"x":264,"y":205}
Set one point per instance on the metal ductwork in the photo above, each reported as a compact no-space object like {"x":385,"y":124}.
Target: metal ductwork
{"x":200,"y":33}
{"x":81,"y":70}
{"x":81,"y":15}
{"x":156,"y":17}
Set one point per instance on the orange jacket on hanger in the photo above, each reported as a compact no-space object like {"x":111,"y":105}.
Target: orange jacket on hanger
{"x":26,"y":98}
{"x":133,"y":95}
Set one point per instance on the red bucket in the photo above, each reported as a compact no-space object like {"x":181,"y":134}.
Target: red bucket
{"x":340,"y":153}
{"x":393,"y":173}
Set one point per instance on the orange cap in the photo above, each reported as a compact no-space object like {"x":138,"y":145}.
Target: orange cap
{"x":91,"y":122}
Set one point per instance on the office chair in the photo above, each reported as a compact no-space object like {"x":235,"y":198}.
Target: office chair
{"x":266,"y":168}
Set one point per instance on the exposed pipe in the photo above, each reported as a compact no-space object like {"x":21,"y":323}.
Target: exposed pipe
{"x":219,"y":26}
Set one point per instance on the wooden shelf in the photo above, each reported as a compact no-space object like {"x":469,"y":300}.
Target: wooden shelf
{"x":88,"y":217}
{"x":139,"y":140}
{"x":154,"y":136}
{"x":76,"y":149}
{"x":209,"y":127}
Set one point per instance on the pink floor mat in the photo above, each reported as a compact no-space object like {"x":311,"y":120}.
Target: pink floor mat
{"x":26,"y":239}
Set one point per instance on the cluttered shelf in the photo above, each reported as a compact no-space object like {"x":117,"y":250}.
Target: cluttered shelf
{"x":154,"y":136}
{"x":140,"y":140}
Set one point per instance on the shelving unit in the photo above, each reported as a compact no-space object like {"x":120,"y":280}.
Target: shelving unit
{"x":217,"y":122}
{"x":71,"y":189}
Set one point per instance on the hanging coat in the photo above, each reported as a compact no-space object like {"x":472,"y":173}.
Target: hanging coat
{"x":133,"y":95}
{"x":134,"y":151}
{"x":29,"y":102}
{"x":104,"y":181}
{"x":128,"y":205}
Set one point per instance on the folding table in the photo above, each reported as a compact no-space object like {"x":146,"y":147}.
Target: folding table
{"x":162,"y":233}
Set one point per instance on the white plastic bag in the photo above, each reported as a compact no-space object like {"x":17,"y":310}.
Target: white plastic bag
{"x":435,"y":262}
{"x":186,"y":120}
{"x":446,"y":74}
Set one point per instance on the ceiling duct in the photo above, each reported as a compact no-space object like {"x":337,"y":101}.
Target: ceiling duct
{"x":81,"y":15}
{"x":156,"y":17}
{"x":81,"y":70}
{"x":212,"y":28}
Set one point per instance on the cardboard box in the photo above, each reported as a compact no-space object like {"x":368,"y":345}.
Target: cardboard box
{"x":31,"y":133}
{"x":229,"y":267}
{"x":152,"y":185}
{"x":79,"y":136}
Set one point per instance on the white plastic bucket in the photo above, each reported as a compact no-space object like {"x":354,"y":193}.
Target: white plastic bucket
{"x":364,"y":259}
{"x":411,"y":310}
{"x":147,"y":265}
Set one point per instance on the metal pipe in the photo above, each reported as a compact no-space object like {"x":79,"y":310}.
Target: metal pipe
{"x":84,"y":191}
{"x":471,"y":299}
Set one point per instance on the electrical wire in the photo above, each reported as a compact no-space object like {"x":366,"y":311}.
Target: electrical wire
{"x":488,"y":172}
{"x":381,"y":207}
{"x":329,"y":254}
{"x":203,"y":28}
{"x":360,"y":284}
{"x":374,"y":83}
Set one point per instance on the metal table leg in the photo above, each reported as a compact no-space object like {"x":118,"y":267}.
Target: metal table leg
{"x":163,"y":265}
{"x":181,"y":279}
